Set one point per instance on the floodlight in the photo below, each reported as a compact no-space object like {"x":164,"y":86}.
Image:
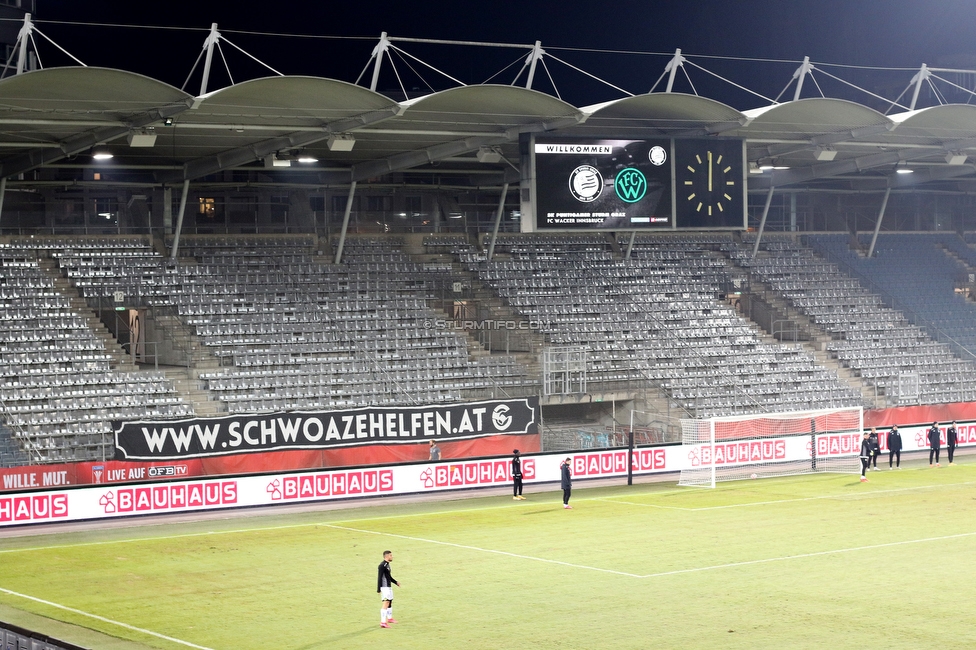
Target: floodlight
{"x":341,"y":142}
{"x":824,"y":153}
{"x":488,"y":155}
{"x":102,"y":154}
{"x":307,"y":158}
{"x":142,"y":139}
{"x":956,"y":158}
{"x":276,"y":160}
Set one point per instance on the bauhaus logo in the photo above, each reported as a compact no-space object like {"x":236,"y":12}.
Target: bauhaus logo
{"x":315,"y":486}
{"x":474,"y":473}
{"x":169,"y":497}
{"x":615,"y":462}
{"x":738,"y":452}
{"x":839,"y":445}
{"x":33,"y":508}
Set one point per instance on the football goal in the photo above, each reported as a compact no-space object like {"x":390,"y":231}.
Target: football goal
{"x":772,"y":444}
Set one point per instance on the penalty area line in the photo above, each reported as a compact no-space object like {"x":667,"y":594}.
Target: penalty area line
{"x":871,"y":547}
{"x":103,"y":619}
{"x":484,"y":550}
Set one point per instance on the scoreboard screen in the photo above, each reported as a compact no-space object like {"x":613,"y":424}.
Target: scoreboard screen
{"x":614,"y":184}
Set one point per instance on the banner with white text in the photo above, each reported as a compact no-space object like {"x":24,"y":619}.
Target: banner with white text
{"x":239,"y":434}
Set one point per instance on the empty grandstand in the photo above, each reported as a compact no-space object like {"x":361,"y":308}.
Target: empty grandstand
{"x":309,"y":244}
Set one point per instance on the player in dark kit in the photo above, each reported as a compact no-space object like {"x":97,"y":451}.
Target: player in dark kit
{"x":867,"y":449}
{"x":875,"y":447}
{"x":517,"y":476}
{"x":384,"y":587}
{"x":951,"y":438}
{"x":566,"y":482}
{"x":894,"y":447}
{"x":935,"y":444}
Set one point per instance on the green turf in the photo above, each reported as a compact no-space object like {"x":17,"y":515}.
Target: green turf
{"x":807,"y":562}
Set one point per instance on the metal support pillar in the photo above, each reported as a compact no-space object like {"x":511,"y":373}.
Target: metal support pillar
{"x":378,"y":52}
{"x":630,"y":245}
{"x":345,"y":218}
{"x":533,"y":59}
{"x":800,"y":74}
{"x":209,"y":44}
{"x":792,"y":211}
{"x":498,"y":221}
{"x":23,"y":37}
{"x":762,"y":222}
{"x":3,"y":193}
{"x":877,"y":225}
{"x":676,"y":62}
{"x":179,"y":220}
{"x":921,"y":77}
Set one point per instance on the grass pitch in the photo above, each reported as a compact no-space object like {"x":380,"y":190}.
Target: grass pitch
{"x":806,"y":562}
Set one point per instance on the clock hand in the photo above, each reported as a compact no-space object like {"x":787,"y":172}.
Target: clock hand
{"x":709,"y":171}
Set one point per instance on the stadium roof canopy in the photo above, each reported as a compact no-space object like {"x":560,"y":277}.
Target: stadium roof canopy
{"x":355,"y":134}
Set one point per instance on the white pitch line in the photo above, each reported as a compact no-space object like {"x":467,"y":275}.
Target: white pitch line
{"x":801,"y":556}
{"x":838,"y":497}
{"x":484,"y":550}
{"x":257,"y":529}
{"x":104,"y":620}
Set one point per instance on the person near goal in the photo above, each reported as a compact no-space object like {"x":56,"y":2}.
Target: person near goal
{"x":894,"y":447}
{"x":866,"y":451}
{"x":517,"y":476}
{"x":951,"y":439}
{"x":875,"y":448}
{"x":566,"y":481}
{"x":384,"y":587}
{"x":935,"y":444}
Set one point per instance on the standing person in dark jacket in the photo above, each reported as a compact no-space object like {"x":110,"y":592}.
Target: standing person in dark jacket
{"x":866,"y":451}
{"x":935,"y":444}
{"x":894,"y":447}
{"x":951,"y":438}
{"x":566,"y":481}
{"x":384,"y":587}
{"x":875,"y":448}
{"x":517,"y":476}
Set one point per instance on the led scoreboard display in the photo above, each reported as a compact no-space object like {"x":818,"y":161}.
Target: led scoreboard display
{"x":638,"y":184}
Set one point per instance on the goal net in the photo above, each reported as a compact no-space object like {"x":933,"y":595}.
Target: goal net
{"x":772,"y":444}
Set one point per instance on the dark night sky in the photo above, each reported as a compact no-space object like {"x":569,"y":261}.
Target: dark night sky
{"x":902,"y":33}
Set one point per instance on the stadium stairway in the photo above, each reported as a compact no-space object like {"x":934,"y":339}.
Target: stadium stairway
{"x":11,"y":454}
{"x":173,"y":340}
{"x":119,"y":359}
{"x":526,"y":345}
{"x":812,"y":338}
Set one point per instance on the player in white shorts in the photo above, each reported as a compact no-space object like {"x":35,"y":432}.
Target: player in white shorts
{"x":384,"y":587}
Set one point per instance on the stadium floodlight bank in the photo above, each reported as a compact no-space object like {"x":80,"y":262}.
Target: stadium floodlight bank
{"x":771,"y":444}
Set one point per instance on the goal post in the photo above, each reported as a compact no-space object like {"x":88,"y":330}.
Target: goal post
{"x":771,"y":444}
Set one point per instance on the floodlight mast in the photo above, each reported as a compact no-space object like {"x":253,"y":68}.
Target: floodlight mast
{"x":533,"y":59}
{"x":921,"y":77}
{"x":24,"y":37}
{"x":378,"y":52}
{"x":209,"y":44}
{"x":672,"y":68}
{"x":805,"y":68}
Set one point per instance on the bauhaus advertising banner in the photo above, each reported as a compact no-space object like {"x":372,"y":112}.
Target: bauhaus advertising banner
{"x":192,"y":494}
{"x":202,"y":437}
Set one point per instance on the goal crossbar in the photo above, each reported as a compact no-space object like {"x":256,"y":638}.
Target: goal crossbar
{"x":771,"y":444}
